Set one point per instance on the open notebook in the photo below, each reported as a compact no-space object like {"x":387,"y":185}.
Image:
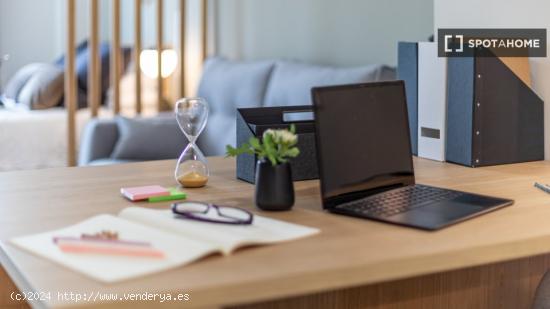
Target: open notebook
{"x":181,"y":241}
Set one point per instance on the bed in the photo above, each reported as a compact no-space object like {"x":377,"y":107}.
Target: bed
{"x":37,"y":139}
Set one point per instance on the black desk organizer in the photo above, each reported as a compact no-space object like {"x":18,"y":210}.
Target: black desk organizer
{"x":255,"y":121}
{"x":492,"y":116}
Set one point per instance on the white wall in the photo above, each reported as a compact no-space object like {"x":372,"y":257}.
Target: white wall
{"x":504,"y":14}
{"x":343,"y":32}
{"x":27,"y":32}
{"x":34,"y":31}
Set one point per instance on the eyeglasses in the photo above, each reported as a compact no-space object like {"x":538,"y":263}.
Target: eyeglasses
{"x":212,"y":213}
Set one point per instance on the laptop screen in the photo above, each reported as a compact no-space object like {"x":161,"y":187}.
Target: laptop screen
{"x":363,"y":139}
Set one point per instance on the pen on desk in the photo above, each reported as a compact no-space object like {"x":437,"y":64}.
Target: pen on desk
{"x":544,"y":188}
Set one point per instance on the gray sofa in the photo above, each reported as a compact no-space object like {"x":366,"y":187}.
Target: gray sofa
{"x":226,"y":85}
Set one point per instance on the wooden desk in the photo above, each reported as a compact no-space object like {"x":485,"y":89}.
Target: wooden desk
{"x":492,"y":261}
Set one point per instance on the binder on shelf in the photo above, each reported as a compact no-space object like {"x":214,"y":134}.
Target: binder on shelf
{"x":255,"y":121}
{"x":493,"y":116}
{"x":407,"y":70}
{"x":432,"y":102}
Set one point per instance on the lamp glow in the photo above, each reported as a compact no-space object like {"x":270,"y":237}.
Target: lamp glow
{"x":148,"y":62}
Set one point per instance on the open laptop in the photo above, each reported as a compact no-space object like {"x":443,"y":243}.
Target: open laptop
{"x":365,"y":161}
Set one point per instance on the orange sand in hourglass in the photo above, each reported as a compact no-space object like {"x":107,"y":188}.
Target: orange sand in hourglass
{"x":192,"y":174}
{"x":193,"y":180}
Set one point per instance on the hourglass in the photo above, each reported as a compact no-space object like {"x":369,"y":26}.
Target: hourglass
{"x":192,"y":168}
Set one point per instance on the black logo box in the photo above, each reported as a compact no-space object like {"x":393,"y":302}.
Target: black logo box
{"x":449,"y":42}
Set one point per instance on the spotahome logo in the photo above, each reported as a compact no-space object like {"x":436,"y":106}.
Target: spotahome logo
{"x":451,"y":40}
{"x":491,"y":42}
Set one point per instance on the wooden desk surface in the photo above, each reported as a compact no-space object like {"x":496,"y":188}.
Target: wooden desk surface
{"x":348,"y":252}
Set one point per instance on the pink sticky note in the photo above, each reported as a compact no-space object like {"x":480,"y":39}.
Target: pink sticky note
{"x":143,"y":193}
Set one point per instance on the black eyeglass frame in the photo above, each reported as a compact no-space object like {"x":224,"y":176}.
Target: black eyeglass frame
{"x":191,"y":214}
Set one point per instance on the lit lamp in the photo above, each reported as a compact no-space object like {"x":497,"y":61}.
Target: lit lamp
{"x":149,"y":66}
{"x":148,"y":62}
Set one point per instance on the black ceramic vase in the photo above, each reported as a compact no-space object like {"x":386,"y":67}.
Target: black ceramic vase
{"x":274,"y":187}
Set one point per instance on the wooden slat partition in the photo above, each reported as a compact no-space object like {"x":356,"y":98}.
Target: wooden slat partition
{"x":137,"y":52}
{"x":70,"y":84}
{"x":115,"y":57}
{"x":204,"y":20}
{"x":159,"y":54}
{"x":183,"y":30}
{"x":94,"y":82}
{"x":94,"y":73}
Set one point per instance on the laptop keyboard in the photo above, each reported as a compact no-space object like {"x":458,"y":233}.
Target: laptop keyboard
{"x":397,"y":201}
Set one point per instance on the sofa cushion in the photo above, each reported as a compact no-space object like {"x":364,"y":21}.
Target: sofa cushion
{"x":82,"y":60}
{"x":98,"y":140}
{"x":291,"y":82}
{"x":144,"y":139}
{"x":227,"y":85}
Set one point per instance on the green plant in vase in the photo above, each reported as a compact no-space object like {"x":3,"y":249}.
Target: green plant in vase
{"x":274,"y":187}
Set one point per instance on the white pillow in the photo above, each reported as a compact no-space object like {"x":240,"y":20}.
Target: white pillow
{"x":44,"y":89}
{"x":19,"y":79}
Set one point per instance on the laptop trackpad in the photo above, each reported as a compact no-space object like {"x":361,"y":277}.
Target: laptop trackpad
{"x":435,"y":215}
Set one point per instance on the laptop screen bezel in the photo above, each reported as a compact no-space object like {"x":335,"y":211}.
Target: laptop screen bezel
{"x":332,"y":201}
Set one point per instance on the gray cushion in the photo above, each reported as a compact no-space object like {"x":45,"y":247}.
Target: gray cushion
{"x":19,"y":79}
{"x":227,"y":85}
{"x":98,"y":140}
{"x":44,"y":89}
{"x":291,"y":82}
{"x":148,"y":139}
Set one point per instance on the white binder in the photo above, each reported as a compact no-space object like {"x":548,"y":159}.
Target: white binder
{"x":432,"y":102}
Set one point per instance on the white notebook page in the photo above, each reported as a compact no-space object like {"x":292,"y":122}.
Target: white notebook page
{"x":225,"y":237}
{"x":178,"y":250}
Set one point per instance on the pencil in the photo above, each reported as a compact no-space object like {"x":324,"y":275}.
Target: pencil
{"x":542,"y":187}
